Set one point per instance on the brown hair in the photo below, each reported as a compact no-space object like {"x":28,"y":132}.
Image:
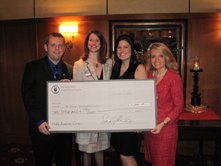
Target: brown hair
{"x":103,"y":50}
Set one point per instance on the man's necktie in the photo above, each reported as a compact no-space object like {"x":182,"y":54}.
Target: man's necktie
{"x":56,"y":72}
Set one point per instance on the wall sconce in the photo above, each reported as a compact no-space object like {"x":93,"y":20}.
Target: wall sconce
{"x":68,"y":30}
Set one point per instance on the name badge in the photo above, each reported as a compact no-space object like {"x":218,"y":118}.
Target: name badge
{"x":87,"y":74}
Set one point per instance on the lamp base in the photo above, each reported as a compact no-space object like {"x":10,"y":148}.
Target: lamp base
{"x":195,"y":100}
{"x":196,"y":109}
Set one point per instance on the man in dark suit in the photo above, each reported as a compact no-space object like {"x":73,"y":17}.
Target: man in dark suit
{"x":47,"y":147}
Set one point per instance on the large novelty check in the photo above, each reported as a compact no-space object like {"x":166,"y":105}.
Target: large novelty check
{"x":114,"y":105}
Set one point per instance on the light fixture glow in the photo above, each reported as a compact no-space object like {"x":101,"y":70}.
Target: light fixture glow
{"x":69,"y":30}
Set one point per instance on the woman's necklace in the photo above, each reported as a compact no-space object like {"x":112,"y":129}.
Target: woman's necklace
{"x":97,"y":68}
{"x":93,"y":60}
{"x":96,"y":64}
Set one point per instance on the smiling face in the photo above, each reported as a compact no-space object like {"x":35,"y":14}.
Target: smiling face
{"x":94,"y":43}
{"x":124,"y":50}
{"x":157,"y":59}
{"x":55,"y":48}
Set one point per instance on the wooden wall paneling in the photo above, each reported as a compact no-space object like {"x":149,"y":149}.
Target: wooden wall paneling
{"x":24,"y":9}
{"x":48,"y":8}
{"x":17,"y":48}
{"x":18,"y":9}
{"x":3,"y":122}
{"x":205,"y":6}
{"x":204,"y":41}
{"x":144,"y":6}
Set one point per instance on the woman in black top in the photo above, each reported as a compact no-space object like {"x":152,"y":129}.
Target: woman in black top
{"x":126,"y":66}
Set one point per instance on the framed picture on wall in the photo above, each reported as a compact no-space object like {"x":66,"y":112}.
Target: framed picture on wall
{"x":170,"y":32}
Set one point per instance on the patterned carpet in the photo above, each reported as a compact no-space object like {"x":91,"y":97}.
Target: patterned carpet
{"x":22,"y":155}
{"x":15,"y":155}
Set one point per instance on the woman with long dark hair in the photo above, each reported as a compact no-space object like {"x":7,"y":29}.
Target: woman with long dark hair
{"x":126,"y":66}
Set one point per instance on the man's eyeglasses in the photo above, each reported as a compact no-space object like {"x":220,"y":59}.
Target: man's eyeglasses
{"x":57,"y":45}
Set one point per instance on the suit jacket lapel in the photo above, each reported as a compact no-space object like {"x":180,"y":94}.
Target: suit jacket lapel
{"x":91,"y":69}
{"x":47,"y":68}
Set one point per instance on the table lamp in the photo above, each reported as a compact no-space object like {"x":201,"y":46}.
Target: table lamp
{"x":196,"y":106}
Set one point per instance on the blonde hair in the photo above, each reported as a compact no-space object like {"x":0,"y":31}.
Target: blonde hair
{"x":171,"y":62}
